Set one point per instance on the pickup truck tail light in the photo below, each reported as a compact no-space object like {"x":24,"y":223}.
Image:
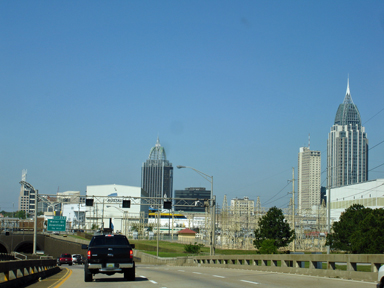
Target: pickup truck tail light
{"x":131,"y":254}
{"x":89,"y":254}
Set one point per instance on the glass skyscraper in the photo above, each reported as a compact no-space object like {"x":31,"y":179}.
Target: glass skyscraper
{"x":157,"y":173}
{"x":347,"y":149}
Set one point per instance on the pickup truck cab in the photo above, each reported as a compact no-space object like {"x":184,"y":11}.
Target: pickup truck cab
{"x":109,"y":254}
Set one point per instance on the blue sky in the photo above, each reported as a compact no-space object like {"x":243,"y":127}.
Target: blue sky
{"x":231,"y":88}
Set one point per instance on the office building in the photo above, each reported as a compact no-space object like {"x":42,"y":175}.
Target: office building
{"x":157,"y":174}
{"x":27,"y":198}
{"x":242,"y":206}
{"x":195,"y":197}
{"x":347,"y":149}
{"x":309,"y":178}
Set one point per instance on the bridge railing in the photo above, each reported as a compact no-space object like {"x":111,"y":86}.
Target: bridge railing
{"x":348,"y":266}
{"x":24,"y":271}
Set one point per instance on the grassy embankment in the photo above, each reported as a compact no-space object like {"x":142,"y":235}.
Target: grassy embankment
{"x":172,"y":249}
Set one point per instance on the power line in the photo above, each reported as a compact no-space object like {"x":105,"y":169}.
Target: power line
{"x":376,"y":167}
{"x":376,"y":145}
{"x":374,"y":116}
{"x":269,"y":200}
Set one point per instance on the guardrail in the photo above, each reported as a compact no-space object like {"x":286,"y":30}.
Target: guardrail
{"x":15,"y":273}
{"x":347,"y":266}
{"x":5,"y":257}
{"x":17,"y":255}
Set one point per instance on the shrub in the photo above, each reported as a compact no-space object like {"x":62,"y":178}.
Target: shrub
{"x":193,"y":248}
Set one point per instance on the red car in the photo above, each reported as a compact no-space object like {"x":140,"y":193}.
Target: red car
{"x":65,"y":259}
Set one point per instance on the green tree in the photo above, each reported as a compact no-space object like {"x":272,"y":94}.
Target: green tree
{"x":273,"y":226}
{"x":20,"y":214}
{"x":369,"y":238}
{"x":348,"y":224}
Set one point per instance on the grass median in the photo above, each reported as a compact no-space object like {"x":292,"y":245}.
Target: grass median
{"x":172,"y":249}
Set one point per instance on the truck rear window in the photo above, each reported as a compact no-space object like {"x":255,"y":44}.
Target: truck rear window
{"x":109,"y":241}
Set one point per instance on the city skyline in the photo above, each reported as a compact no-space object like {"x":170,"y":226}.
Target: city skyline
{"x":232,"y":89}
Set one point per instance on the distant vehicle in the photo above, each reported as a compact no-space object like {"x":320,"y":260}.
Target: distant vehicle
{"x":65,"y":259}
{"x":109,"y":254}
{"x":77,"y":259}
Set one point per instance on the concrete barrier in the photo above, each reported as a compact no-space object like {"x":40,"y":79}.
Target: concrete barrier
{"x":304,"y":264}
{"x":22,"y":272}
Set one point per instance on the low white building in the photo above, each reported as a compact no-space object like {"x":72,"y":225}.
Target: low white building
{"x":75,"y":215}
{"x":369,"y":194}
{"x":108,"y":207}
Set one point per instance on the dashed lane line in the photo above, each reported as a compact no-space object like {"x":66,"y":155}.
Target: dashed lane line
{"x":218,"y":276}
{"x":249,"y":282}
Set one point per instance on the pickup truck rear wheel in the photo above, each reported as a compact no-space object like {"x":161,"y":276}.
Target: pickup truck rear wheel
{"x":129,"y":274}
{"x":87,"y":276}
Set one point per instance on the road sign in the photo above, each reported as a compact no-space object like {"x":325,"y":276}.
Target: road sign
{"x":56,"y":225}
{"x":60,"y":217}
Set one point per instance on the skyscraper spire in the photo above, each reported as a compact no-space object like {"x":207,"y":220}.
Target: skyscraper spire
{"x":348,"y":97}
{"x":157,"y":152}
{"x":348,"y":92}
{"x":347,"y":113}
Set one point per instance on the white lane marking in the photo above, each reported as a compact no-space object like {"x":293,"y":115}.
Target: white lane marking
{"x":154,"y":282}
{"x":143,"y":277}
{"x":249,"y":282}
{"x":197,"y":273}
{"x":218,"y":276}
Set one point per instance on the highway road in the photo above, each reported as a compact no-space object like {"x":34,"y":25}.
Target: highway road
{"x":197,"y":277}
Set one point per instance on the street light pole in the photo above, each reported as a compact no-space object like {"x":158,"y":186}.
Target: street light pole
{"x":102,"y":218}
{"x":212,"y":205}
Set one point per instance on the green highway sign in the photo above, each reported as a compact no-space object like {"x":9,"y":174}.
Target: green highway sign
{"x":56,"y":225}
{"x":60,"y":217}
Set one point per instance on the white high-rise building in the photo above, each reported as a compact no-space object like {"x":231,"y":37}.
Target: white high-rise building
{"x":309,"y":178}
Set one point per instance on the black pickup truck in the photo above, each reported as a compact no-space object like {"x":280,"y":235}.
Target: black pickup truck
{"x":109,"y":254}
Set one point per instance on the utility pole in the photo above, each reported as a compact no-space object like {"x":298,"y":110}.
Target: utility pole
{"x":102,"y":218}
{"x":329,"y":216}
{"x":293,"y":207}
